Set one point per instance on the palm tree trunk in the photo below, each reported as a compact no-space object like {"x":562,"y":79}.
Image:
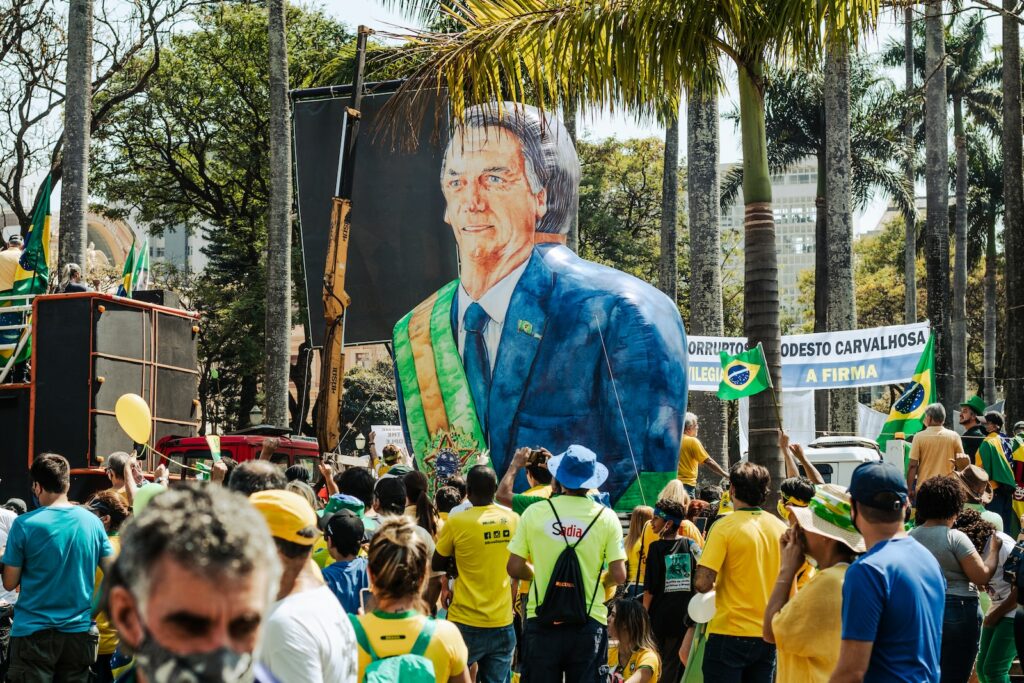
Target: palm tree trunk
{"x":279,"y":225}
{"x":822,"y":404}
{"x":839,"y":203}
{"x":74,"y":194}
{"x":1013,"y":213}
{"x":937,"y":187}
{"x":909,"y":217}
{"x":668,"y":267}
{"x":706,"y":313}
{"x":958,"y":319}
{"x":761,"y":271}
{"x":990,"y":311}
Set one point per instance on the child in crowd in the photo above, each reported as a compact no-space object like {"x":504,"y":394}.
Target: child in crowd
{"x":668,"y":583}
{"x":446,"y":498}
{"x":634,"y":657}
{"x":347,"y":576}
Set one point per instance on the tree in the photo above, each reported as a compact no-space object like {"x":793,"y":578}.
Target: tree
{"x":839,"y":221}
{"x":706,"y":306}
{"x":910,"y":212}
{"x":937,"y":190}
{"x":192,"y":152}
{"x":1013,"y":201}
{"x":74,"y":196}
{"x":668,"y":276}
{"x":369,"y":400}
{"x":127,"y":44}
{"x":279,"y":223}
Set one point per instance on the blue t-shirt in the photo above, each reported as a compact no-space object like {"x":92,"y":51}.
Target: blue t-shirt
{"x":894,"y":596}
{"x":346,"y":579}
{"x":58,"y":550}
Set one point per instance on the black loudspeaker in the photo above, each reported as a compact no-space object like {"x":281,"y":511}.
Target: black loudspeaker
{"x":160,"y":297}
{"x":89,"y":351}
{"x":15,"y":401}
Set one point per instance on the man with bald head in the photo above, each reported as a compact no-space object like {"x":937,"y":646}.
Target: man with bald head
{"x":533,"y":345}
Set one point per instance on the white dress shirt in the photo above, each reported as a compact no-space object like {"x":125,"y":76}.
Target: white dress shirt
{"x":495,"y":302}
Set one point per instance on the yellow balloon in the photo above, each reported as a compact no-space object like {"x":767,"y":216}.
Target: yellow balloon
{"x":134,"y":417}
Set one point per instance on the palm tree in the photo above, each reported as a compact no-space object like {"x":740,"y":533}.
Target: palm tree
{"x":74,"y":195}
{"x":985,"y":207}
{"x":795,"y":124}
{"x":937,"y":190}
{"x":633,"y":54}
{"x":909,"y":213}
{"x":279,"y":225}
{"x":1013,"y":213}
{"x":839,"y":222}
{"x":668,"y":267}
{"x":706,"y":314}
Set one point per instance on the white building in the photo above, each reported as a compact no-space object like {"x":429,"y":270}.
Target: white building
{"x":179,"y":249}
{"x":793,"y":195}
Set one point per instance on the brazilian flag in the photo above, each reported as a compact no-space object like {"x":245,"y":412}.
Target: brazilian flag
{"x":907,"y":413}
{"x":744,"y":374}
{"x":128,"y":274}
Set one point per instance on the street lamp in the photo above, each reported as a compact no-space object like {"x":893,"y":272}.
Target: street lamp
{"x":360,"y":441}
{"x":255,"y":415}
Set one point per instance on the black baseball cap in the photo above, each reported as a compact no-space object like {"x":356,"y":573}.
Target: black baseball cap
{"x":878,"y":485}
{"x":345,"y":529}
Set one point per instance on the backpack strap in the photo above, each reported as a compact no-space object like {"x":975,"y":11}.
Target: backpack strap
{"x":559,"y":520}
{"x":362,"y":638}
{"x":423,"y":640}
{"x":592,"y":523}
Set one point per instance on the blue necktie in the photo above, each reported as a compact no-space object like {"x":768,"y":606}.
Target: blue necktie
{"x":474,"y":356}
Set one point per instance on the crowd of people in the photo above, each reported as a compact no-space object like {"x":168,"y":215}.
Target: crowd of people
{"x":374,"y":574}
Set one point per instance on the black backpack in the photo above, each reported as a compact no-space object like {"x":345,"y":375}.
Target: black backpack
{"x":564,"y":598}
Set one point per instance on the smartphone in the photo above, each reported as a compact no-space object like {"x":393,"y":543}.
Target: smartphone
{"x":367,"y":601}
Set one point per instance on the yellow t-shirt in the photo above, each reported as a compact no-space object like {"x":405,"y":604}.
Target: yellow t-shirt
{"x":393,"y":634}
{"x":539,"y":539}
{"x":108,"y":634}
{"x":542,"y":491}
{"x":8,"y":267}
{"x":640,"y":659}
{"x":691,"y":455}
{"x":744,"y":549}
{"x":935,"y":449}
{"x":478,"y":539}
{"x":808,"y":629}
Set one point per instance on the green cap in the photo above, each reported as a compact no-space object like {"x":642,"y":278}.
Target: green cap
{"x":975,"y":403}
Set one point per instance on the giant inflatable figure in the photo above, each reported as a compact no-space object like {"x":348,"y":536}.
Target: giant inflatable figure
{"x":532,"y":345}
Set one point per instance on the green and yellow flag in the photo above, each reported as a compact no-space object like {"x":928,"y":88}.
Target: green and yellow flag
{"x":744,"y":374}
{"x":126,"y":286}
{"x":907,"y":413}
{"x":31,"y":276}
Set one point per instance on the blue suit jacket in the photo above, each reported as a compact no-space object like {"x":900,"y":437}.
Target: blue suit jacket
{"x":601,"y":362}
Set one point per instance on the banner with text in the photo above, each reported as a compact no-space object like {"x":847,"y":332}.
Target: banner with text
{"x":826,"y":360}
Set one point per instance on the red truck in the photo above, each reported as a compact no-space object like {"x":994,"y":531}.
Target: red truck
{"x":242,"y":445}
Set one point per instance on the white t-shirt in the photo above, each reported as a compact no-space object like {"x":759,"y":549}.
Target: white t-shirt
{"x":308,"y":638}
{"x":7,"y":518}
{"x":998,"y":588}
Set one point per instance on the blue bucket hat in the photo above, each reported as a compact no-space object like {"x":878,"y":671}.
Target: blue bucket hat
{"x":578,"y":468}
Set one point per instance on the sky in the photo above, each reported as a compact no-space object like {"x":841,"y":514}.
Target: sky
{"x":597,"y":125}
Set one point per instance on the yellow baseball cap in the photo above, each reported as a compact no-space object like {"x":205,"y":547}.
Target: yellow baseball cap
{"x":286,"y":514}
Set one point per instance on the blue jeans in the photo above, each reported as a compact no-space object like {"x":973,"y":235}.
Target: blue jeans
{"x":491,"y":649}
{"x":961,"y":631}
{"x":736,"y":659}
{"x":553,"y":654}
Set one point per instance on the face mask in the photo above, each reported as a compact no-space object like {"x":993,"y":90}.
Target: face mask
{"x":223,"y":665}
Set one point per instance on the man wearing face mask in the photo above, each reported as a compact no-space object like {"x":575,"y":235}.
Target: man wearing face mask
{"x":192,"y":586}
{"x":52,"y":554}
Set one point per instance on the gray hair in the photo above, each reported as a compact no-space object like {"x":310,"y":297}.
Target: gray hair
{"x":689,"y":421}
{"x":213,"y":532}
{"x":936,"y":412}
{"x":548,"y":151}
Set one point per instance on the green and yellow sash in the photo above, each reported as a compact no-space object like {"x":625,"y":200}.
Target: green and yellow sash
{"x":439,"y":410}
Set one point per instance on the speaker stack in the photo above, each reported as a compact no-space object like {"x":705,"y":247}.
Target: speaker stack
{"x":90,"y":349}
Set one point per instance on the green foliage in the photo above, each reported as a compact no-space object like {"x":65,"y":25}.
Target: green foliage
{"x":193,"y":150}
{"x":369,"y":400}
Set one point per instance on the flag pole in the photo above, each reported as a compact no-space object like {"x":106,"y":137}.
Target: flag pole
{"x":771,"y":385}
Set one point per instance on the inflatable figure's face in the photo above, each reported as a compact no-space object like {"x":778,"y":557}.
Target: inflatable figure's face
{"x":492,"y":207}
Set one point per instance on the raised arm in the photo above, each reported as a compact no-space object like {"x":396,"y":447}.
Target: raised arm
{"x":504,"y":493}
{"x":810,"y":471}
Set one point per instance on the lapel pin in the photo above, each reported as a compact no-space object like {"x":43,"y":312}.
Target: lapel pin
{"x":526,"y":327}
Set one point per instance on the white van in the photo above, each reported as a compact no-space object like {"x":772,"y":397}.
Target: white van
{"x":837,"y":456}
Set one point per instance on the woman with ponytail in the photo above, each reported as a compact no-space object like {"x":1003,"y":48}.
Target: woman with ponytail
{"x":419,"y":507}
{"x":397,"y":564}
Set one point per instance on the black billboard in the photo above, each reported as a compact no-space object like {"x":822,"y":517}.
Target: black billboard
{"x":400,"y":249}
